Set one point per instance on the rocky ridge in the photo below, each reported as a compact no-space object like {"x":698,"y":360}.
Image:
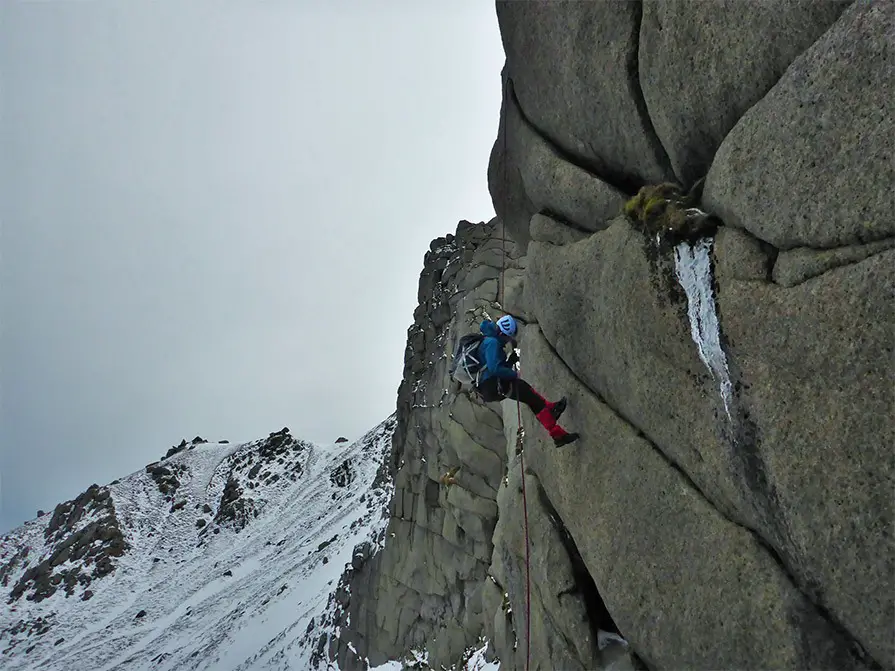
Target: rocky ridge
{"x":233,"y":563}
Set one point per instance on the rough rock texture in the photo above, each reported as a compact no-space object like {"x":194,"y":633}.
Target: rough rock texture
{"x":423,"y":591}
{"x":795,"y":266}
{"x":574,"y":67}
{"x":811,"y":163}
{"x":814,"y":367}
{"x":434,"y":586}
{"x":547,"y":229}
{"x":703,"y":64}
{"x":645,"y":531}
{"x":545,"y":182}
{"x":803,"y":461}
{"x":84,"y":538}
{"x":729,"y":503}
{"x":565,"y":604}
{"x":817,"y":433}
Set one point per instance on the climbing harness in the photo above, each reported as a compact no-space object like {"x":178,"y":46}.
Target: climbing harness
{"x":520,"y":433}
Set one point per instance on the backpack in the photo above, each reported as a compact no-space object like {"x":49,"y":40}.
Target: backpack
{"x":466,"y":364}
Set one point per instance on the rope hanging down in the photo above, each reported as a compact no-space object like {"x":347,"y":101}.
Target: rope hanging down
{"x":520,"y":433}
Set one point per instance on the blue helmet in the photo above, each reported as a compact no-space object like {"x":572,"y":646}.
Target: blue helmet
{"x":507,"y":326}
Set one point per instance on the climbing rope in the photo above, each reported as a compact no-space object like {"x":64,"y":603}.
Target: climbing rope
{"x":520,"y":433}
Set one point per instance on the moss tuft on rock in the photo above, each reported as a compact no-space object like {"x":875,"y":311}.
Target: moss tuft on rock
{"x":663,"y":209}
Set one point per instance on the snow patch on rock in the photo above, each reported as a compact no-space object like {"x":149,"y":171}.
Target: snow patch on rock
{"x":693,"y":266}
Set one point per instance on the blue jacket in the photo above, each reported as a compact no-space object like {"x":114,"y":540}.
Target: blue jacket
{"x":492,"y":351}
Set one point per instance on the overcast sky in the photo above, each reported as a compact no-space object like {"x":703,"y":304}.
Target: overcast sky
{"x":214,"y":216}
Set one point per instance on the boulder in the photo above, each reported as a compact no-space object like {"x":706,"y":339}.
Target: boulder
{"x":810,"y":164}
{"x":691,"y":57}
{"x":574,"y":70}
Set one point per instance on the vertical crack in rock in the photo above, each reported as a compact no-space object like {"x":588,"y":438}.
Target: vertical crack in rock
{"x":693,"y":267}
{"x":598,"y":614}
{"x":633,"y":66}
{"x":850,"y":639}
{"x":603,"y":628}
{"x":626,"y":183}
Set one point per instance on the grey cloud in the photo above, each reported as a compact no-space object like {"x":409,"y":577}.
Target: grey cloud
{"x":214,"y":217}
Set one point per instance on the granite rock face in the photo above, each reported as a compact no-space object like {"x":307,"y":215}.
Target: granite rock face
{"x":575,"y":73}
{"x":729,"y":503}
{"x":424,"y":589}
{"x":693,"y":70}
{"x":810,"y":164}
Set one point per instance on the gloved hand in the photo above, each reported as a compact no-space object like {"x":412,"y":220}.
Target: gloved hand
{"x":513,"y":359}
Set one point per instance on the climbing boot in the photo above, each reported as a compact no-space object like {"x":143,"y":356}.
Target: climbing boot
{"x":559,"y":441}
{"x":557,"y":409}
{"x":545,"y":417}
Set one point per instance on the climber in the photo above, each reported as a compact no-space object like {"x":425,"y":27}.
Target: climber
{"x":498,"y":380}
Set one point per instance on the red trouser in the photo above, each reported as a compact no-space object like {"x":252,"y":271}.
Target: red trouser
{"x":497,"y":389}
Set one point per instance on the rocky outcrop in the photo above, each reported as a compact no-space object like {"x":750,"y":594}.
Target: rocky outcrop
{"x":23,"y":632}
{"x":83,"y":540}
{"x":810,"y":165}
{"x":424,"y":590}
{"x":176,"y":449}
{"x":253,"y":470}
{"x":802,"y":363}
{"x":453,"y":565}
{"x":575,"y":73}
{"x":727,"y":355}
{"x":692,"y":66}
{"x":166,"y":478}
{"x":343,"y":475}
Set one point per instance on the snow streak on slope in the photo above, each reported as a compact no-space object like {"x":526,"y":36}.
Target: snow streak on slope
{"x":231,"y":551}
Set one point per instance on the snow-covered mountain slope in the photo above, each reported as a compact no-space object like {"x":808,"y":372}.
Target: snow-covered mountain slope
{"x":217,"y":557}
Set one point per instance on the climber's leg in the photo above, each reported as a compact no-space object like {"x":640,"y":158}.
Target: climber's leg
{"x":545,"y":412}
{"x":520,"y":390}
